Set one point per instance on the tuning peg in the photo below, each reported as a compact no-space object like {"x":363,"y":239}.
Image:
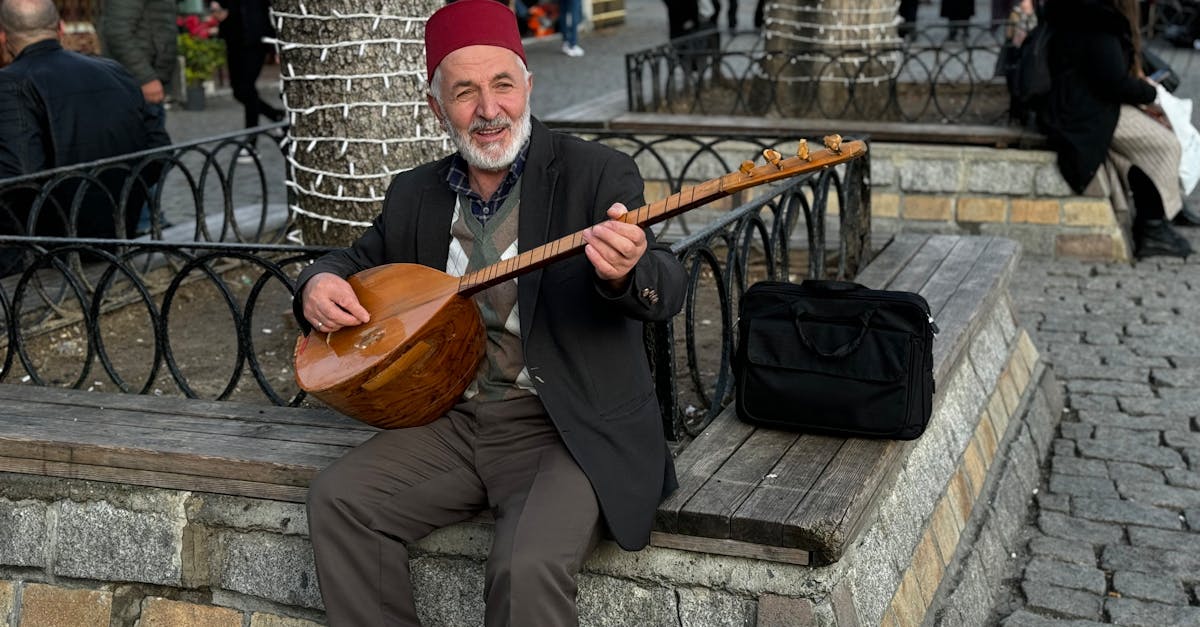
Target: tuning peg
{"x":834,"y":142}
{"x":802,"y":150}
{"x":773,"y":157}
{"x":746,"y":166}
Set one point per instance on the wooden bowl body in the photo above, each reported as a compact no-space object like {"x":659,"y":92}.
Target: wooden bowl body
{"x":410,"y":363}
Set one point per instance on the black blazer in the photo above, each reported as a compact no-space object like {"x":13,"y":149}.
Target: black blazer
{"x":583,"y":347}
{"x":1091,"y":53}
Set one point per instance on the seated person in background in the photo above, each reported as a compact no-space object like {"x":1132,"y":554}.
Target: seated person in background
{"x":62,"y":108}
{"x":1097,"y":110}
{"x":559,"y":435}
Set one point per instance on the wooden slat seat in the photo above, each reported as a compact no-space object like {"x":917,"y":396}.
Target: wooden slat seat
{"x":229,"y":448}
{"x":807,"y":496}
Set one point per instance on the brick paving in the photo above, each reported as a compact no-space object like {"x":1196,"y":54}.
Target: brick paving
{"x":1113,"y":532}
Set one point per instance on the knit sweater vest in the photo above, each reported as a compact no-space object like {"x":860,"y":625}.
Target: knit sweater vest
{"x":475,"y":245}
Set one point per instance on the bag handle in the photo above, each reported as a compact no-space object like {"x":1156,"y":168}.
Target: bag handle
{"x":845,"y":349}
{"x":818,"y":285}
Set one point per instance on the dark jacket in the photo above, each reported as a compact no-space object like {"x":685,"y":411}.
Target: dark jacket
{"x":140,"y":34}
{"x":1091,"y":53}
{"x":62,"y":108}
{"x":247,"y":23}
{"x":584,"y":347}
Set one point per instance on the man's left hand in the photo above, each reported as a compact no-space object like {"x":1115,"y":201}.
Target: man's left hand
{"x":614,"y":247}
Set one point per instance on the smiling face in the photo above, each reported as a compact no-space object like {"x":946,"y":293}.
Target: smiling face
{"x":480,"y":94}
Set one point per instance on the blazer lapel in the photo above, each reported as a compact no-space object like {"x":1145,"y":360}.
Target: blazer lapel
{"x":537,"y":195}
{"x":433,"y":221}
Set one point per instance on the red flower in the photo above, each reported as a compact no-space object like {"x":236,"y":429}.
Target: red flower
{"x":194,"y":26}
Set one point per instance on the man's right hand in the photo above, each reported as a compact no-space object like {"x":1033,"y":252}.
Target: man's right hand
{"x":330,"y":303}
{"x":153,"y":91}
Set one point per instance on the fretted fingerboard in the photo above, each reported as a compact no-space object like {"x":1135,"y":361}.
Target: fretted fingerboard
{"x":566,"y":246}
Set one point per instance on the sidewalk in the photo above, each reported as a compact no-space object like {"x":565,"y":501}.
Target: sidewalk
{"x":1114,"y":530}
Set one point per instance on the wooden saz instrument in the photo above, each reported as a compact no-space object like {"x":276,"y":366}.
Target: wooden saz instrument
{"x":411,"y":363}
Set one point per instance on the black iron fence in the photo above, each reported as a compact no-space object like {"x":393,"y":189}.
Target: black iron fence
{"x":926,"y":77}
{"x":223,"y":188}
{"x":203,"y":318}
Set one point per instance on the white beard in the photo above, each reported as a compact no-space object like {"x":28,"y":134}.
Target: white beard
{"x":491,"y":158}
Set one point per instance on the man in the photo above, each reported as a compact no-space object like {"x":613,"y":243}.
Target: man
{"x":244,"y":23}
{"x":62,"y":108}
{"x":141,"y":35}
{"x":560,"y":435}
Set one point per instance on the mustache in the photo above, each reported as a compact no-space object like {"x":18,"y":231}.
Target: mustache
{"x":500,"y":121}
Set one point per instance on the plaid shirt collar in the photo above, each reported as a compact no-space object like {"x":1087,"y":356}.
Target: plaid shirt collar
{"x":460,"y":183}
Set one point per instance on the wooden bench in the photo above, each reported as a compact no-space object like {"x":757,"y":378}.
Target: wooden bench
{"x":610,"y":112}
{"x":807,"y":497}
{"x":782,"y":501}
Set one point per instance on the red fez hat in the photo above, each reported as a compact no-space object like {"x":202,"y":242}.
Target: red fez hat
{"x":470,"y":23}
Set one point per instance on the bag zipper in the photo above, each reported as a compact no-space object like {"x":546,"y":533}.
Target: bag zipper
{"x":891,"y":295}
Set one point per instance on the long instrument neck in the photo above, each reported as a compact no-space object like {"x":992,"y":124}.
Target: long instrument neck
{"x":653,"y":213}
{"x":689,"y":198}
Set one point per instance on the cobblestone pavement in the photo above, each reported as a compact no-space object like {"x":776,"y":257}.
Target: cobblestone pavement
{"x":1113,"y":533}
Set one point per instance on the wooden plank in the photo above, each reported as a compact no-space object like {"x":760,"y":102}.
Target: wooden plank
{"x":154,"y":479}
{"x":942,"y":284}
{"x":732,"y":548}
{"x":960,"y":134}
{"x":268,"y":432}
{"x":699,"y":460}
{"x":893,"y":258}
{"x":287,"y":463}
{"x":708,"y":512}
{"x":917,"y":271}
{"x":181,"y":406}
{"x":976,"y":296}
{"x":761,"y":517}
{"x":828,"y":518}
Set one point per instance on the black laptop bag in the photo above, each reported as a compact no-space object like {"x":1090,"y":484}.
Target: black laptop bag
{"x":834,"y":358}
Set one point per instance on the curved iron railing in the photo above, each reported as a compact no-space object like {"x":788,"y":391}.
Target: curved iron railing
{"x":148,"y":316}
{"x":200,"y":183}
{"x":753,"y":242}
{"x":922,"y":78}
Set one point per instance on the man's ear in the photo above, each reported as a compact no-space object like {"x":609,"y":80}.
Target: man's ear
{"x":61,"y":29}
{"x":433,"y":106}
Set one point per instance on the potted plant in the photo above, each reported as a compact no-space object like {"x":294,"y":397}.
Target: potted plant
{"x":202,"y":55}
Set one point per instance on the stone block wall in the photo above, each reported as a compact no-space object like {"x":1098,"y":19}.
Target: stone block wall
{"x":1014,"y":193}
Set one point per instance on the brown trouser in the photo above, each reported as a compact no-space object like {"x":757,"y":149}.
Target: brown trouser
{"x":402,"y":484}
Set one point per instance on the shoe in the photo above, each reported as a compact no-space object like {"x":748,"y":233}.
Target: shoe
{"x":572,"y":51}
{"x":1186,"y":217}
{"x":1156,"y":238}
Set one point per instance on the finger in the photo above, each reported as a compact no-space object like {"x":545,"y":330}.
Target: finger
{"x":604,"y":268}
{"x":619,"y":240}
{"x":617,"y":210}
{"x":349,"y":303}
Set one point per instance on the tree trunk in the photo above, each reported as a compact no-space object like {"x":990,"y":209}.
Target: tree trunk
{"x":354,"y":87}
{"x":828,"y":58}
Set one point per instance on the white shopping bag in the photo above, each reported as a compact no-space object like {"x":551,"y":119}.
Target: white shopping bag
{"x":1179,"y":113}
